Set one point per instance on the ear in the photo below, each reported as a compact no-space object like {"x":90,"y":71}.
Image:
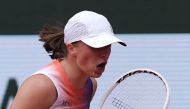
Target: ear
{"x":71,"y":49}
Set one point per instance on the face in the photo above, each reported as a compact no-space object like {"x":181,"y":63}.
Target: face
{"x":91,"y":61}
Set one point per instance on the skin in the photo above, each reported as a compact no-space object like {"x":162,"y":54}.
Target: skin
{"x":81,"y":62}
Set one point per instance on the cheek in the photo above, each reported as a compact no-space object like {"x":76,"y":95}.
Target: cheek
{"x":86,"y":61}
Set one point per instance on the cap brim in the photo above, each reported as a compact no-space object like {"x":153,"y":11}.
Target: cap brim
{"x":102,"y":40}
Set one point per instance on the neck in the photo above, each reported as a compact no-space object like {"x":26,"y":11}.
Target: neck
{"x":77,"y":77}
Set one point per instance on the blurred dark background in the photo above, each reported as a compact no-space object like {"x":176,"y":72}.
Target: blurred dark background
{"x":126,"y":16}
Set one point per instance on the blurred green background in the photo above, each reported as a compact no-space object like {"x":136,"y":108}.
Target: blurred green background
{"x":126,"y":16}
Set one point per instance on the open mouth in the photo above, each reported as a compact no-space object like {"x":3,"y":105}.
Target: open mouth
{"x":101,"y":65}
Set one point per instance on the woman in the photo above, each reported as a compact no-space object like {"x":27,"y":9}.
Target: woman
{"x":80,"y":53}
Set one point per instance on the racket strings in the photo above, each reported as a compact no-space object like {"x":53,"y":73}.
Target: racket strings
{"x":120,"y":104}
{"x":140,"y":91}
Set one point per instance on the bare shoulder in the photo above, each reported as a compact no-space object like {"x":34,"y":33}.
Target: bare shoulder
{"x":94,"y":82}
{"x":36,"y":92}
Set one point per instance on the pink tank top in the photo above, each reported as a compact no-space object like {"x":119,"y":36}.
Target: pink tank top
{"x":68,"y":96}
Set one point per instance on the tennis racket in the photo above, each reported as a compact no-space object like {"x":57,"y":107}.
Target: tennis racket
{"x":138,"y":89}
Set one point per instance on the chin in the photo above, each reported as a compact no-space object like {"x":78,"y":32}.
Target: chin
{"x":97,"y":75}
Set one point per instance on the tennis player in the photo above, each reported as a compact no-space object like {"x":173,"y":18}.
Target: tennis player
{"x":79,"y":54}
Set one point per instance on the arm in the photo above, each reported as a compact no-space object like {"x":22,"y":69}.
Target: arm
{"x":36,"y":92}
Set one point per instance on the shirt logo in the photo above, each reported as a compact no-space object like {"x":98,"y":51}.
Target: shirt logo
{"x":67,"y":103}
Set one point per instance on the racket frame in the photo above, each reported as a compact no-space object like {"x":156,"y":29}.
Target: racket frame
{"x":133,"y":72}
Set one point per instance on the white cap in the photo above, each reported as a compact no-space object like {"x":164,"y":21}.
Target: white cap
{"x":91,"y":28}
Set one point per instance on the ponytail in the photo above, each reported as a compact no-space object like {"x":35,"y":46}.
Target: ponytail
{"x":53,"y":38}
